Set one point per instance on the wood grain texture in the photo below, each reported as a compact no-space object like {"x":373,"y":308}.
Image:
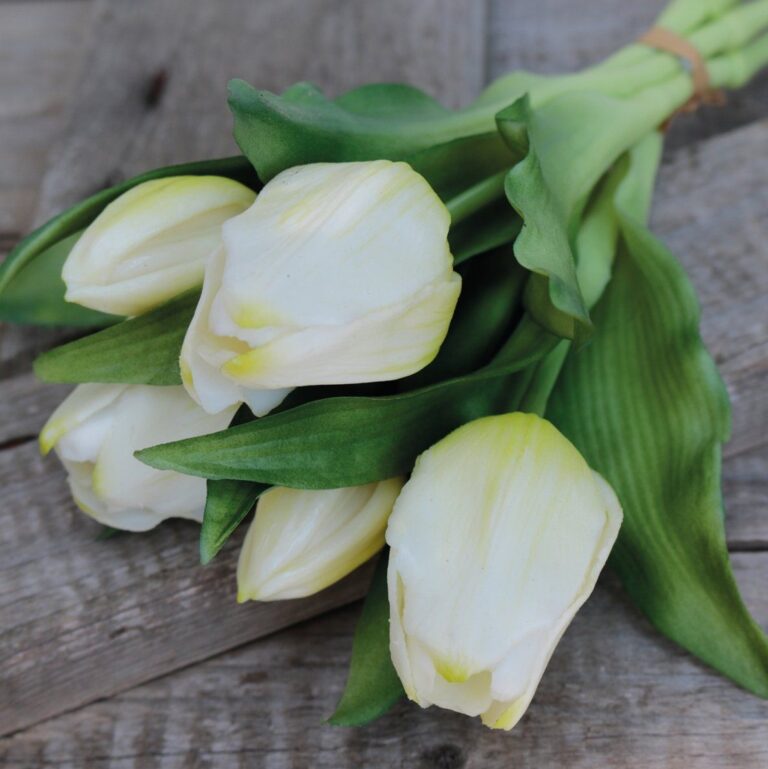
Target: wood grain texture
{"x":140,"y":606}
{"x":157,"y":73}
{"x":41,"y":45}
{"x":615,"y":695}
{"x":745,"y":489}
{"x":83,"y":619}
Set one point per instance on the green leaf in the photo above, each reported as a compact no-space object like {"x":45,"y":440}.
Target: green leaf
{"x":645,"y":405}
{"x":373,"y":686}
{"x":303,"y":126}
{"x":491,"y":227}
{"x":142,"y":350}
{"x":226,"y":504}
{"x":454,"y":166}
{"x":543,"y":245}
{"x":491,"y":291}
{"x":36,"y":294}
{"x":350,"y":441}
{"x":568,"y":143}
{"x":452,"y":149}
{"x":73,"y":221}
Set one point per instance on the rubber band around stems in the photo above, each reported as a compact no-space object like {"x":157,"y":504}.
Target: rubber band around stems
{"x":666,"y":41}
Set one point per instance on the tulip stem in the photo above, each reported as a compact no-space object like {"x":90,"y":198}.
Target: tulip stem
{"x":545,"y":376}
{"x":471,"y":200}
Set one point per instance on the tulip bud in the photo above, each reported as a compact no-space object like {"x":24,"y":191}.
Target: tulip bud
{"x":338,"y":273}
{"x":303,"y":541}
{"x":496,"y":541}
{"x":95,"y":432}
{"x":151,"y":243}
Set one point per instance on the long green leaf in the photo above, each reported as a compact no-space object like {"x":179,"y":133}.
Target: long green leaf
{"x":373,"y":686}
{"x":350,"y":441}
{"x":75,"y":219}
{"x":142,"y":350}
{"x":36,"y":294}
{"x":226,"y":504}
{"x":543,"y":245}
{"x":645,"y":405}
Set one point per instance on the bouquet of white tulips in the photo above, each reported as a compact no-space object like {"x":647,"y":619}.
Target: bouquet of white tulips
{"x":446,"y":335}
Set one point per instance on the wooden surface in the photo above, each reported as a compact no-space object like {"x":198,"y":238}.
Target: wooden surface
{"x":93,"y":91}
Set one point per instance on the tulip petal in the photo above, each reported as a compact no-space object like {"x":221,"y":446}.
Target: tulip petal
{"x":96,"y":432}
{"x":338,"y":273}
{"x":389,"y":344}
{"x":79,"y":406}
{"x":303,"y":541}
{"x":203,"y":353}
{"x":151,"y":243}
{"x":496,"y":540}
{"x":325,"y":243}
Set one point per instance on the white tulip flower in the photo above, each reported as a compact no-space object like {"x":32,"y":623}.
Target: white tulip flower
{"x":496,"y":541}
{"x":151,"y":243}
{"x":303,"y":541}
{"x":338,"y":273}
{"x":95,"y":432}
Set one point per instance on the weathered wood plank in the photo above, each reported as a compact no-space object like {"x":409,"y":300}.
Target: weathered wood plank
{"x":41,"y":44}
{"x":615,"y":695}
{"x":562,"y":35}
{"x":108,"y":606}
{"x":130,"y":608}
{"x":41,"y":50}
{"x":155,"y":91}
{"x":745,"y":488}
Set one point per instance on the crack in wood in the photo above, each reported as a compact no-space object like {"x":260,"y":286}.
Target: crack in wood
{"x":13,"y":443}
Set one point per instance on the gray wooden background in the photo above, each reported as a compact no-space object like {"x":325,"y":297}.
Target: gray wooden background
{"x":126,"y":653}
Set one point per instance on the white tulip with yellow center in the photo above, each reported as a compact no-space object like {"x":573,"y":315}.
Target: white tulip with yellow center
{"x":303,"y":541}
{"x":151,"y":243}
{"x":338,"y":273}
{"x":496,"y":541}
{"x":95,"y":432}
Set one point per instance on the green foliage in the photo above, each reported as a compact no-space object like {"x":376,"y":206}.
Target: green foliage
{"x":142,"y":350}
{"x":645,"y":405}
{"x":36,"y":293}
{"x":375,"y":121}
{"x":226,"y":505}
{"x":372,"y":685}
